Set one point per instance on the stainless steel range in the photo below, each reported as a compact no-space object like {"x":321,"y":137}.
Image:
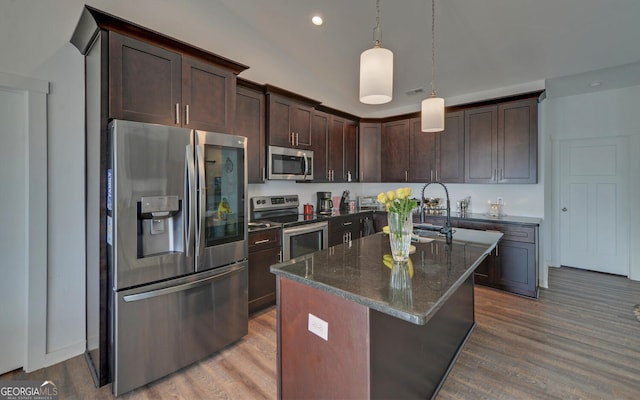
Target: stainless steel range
{"x":301,"y":234}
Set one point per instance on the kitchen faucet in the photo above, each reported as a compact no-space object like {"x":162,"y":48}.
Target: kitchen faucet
{"x":446,"y":230}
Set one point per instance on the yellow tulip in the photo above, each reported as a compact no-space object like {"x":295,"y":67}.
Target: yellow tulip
{"x":391,"y":195}
{"x":403,"y":193}
{"x":382,"y":198}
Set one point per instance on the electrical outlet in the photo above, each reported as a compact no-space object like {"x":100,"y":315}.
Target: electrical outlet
{"x":500,"y":200}
{"x":318,"y":327}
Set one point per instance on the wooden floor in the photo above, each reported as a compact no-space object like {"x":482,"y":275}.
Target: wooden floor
{"x":581,"y":340}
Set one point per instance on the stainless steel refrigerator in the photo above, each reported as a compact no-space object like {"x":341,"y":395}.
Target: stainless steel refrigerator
{"x":177,"y":241}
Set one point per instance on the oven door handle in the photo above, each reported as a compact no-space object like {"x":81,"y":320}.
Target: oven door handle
{"x":305,"y":228}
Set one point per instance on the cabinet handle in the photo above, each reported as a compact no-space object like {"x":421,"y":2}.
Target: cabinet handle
{"x":264,"y":174}
{"x":494,"y":176}
{"x":297,"y":139}
{"x":406,"y":176}
{"x":347,"y":223}
{"x":431,"y":175}
{"x":177,"y":113}
{"x":261,"y":241}
{"x":186,"y":114}
{"x":501,"y":174}
{"x":436,"y":175}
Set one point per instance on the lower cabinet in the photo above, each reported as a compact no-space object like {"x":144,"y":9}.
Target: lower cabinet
{"x":344,"y":229}
{"x":513,"y":265}
{"x":264,"y":251}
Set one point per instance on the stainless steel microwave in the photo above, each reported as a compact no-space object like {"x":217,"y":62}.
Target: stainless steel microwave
{"x":290,"y":164}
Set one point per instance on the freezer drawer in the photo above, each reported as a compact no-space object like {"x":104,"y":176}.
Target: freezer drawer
{"x":161,"y":328}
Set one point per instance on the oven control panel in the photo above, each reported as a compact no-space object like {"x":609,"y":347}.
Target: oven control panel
{"x":263,"y":203}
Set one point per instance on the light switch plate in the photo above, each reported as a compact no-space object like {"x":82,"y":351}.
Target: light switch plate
{"x":318,"y":327}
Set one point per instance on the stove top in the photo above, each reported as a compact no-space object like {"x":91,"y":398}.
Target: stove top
{"x":281,"y":210}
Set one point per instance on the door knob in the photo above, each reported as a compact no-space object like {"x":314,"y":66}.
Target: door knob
{"x":564,"y":209}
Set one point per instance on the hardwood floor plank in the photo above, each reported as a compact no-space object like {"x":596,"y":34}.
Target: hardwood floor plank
{"x":580,"y":340}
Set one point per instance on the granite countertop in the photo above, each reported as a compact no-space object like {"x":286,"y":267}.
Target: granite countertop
{"x":507,"y":219}
{"x":356,"y":271}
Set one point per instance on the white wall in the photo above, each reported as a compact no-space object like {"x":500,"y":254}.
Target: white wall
{"x":605,"y":113}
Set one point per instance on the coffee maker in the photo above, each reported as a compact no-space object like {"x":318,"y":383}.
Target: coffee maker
{"x":325,"y":204}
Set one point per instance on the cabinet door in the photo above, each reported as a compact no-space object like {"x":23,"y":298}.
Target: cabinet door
{"x":319,"y":134}
{"x":481,"y":131}
{"x":208,"y":96}
{"x":336,"y":148}
{"x":350,"y":151}
{"x":250,"y":122}
{"x":279,"y":115}
{"x":144,"y":81}
{"x":301,"y":125}
{"x":395,"y":149}
{"x":423,"y":153}
{"x":369,"y":152}
{"x":518,"y":142}
{"x":262,"y":283}
{"x":516,"y":267}
{"x":450,"y":149}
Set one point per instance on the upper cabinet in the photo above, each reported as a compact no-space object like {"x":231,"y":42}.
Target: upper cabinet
{"x":250,"y":122}
{"x":369,"y":139}
{"x":149,"y":83}
{"x":335,"y":157}
{"x":501,"y":143}
{"x":289,"y":119}
{"x":395,"y":148}
{"x":450,"y":149}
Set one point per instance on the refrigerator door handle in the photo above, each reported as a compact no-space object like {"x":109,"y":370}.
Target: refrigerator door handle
{"x":202,"y":200}
{"x":180,"y":288}
{"x":190,"y":199}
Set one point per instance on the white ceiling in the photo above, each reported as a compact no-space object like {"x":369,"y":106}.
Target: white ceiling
{"x":485,"y":47}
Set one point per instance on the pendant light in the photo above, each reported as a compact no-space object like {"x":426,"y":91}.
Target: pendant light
{"x":432,"y":115}
{"x":376,"y":70}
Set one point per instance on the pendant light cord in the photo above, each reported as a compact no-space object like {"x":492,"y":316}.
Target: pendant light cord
{"x":377,"y":37}
{"x":433,"y":47}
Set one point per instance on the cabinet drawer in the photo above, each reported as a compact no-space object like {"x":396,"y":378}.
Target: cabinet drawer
{"x":265,"y":239}
{"x":517,"y":233}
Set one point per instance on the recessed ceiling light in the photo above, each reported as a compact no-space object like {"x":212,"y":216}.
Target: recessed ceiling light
{"x":595,"y":84}
{"x":317,"y":20}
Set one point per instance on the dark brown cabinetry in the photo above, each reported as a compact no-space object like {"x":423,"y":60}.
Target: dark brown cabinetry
{"x":501,"y":143}
{"x":250,"y":122}
{"x":335,"y":149}
{"x":264,"y":251}
{"x":148,"y":83}
{"x":343,"y":229}
{"x":369,"y":150}
{"x":450,"y":149}
{"x":395,"y":150}
{"x":342,"y":150}
{"x":319,"y":134}
{"x":513,"y":265}
{"x":289,"y":120}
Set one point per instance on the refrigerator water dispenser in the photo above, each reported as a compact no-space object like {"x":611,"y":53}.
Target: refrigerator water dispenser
{"x":159,"y":225}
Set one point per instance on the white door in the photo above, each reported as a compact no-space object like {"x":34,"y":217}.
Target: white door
{"x":13,"y":229}
{"x":594,"y":232}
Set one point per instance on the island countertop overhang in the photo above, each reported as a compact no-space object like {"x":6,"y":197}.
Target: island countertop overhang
{"x":355,"y":271}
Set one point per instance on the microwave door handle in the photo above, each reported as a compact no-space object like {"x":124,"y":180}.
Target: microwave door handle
{"x":190,"y":199}
{"x":306,"y":165}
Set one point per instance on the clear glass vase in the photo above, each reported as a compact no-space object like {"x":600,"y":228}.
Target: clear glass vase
{"x":400,"y":229}
{"x":400,"y":291}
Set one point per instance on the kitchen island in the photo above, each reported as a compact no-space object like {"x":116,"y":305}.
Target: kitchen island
{"x":347,"y":329}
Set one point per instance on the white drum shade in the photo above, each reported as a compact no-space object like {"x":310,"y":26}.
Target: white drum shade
{"x":432,"y":119}
{"x":376,"y":76}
